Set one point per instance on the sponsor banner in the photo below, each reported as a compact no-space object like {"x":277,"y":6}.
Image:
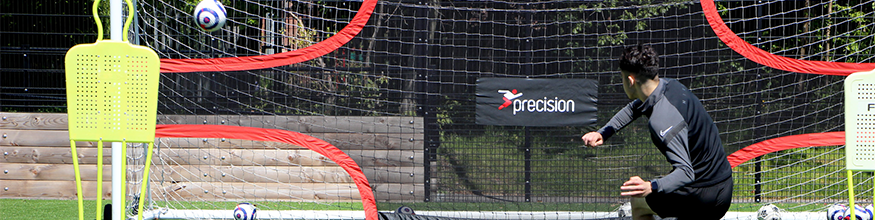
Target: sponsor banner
{"x":536,"y":102}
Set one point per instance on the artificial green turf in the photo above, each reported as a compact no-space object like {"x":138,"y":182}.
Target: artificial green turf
{"x":34,"y":209}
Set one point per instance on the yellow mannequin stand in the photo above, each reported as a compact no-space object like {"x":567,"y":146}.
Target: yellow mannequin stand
{"x":851,"y":192}
{"x":859,"y":141}
{"x":112,"y":93}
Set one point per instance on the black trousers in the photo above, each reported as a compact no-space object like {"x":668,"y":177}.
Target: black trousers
{"x":703,"y":203}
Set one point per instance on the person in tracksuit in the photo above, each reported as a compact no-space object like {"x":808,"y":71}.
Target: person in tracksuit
{"x":700,"y":183}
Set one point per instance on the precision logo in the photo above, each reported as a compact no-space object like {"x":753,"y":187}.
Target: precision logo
{"x":508,"y":96}
{"x":535,"y":105}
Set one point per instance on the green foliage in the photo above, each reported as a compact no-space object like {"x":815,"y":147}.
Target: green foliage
{"x":362,"y":91}
{"x":495,"y":161}
{"x":853,"y":41}
{"x":305,"y":94}
{"x":616,"y":35}
{"x":628,"y":16}
{"x":445,"y":112}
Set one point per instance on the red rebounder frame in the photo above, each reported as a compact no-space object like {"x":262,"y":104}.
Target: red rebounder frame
{"x":282,"y":136}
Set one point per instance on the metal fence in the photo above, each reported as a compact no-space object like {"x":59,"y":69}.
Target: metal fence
{"x":423,"y":58}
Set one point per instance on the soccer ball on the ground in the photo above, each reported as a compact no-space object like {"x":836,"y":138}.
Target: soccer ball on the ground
{"x":769,"y":212}
{"x":836,"y":212}
{"x":210,"y":15}
{"x":244,"y":211}
{"x":405,"y":210}
{"x":860,"y":212}
{"x":625,"y":210}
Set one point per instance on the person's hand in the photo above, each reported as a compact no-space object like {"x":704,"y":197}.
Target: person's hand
{"x":636,"y":187}
{"x":592,"y":139}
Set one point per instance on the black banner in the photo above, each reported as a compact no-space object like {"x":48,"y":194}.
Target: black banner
{"x":536,"y":102}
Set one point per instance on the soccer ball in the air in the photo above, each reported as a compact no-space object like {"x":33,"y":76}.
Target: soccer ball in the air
{"x":836,"y":212}
{"x":210,"y":15}
{"x":860,"y":212}
{"x":244,"y":211}
{"x":769,"y":212}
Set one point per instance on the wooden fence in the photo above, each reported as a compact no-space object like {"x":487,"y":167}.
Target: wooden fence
{"x":37,"y":161}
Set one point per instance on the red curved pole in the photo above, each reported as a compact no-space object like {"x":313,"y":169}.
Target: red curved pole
{"x":282,"y":136}
{"x":771,"y":60}
{"x":783,"y":143}
{"x":274,"y":60}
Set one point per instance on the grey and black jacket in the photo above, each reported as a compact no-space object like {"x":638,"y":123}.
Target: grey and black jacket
{"x":683,"y":131}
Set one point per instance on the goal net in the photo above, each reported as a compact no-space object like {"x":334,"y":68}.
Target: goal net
{"x":392,"y":85}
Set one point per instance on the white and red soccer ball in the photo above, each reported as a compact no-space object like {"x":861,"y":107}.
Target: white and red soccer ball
{"x":843,"y":212}
{"x":769,"y":212}
{"x":210,"y":15}
{"x":244,"y":211}
{"x":860,"y":212}
{"x":836,"y":212}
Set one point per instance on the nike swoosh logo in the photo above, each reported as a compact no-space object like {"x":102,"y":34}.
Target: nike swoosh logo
{"x":662,"y":133}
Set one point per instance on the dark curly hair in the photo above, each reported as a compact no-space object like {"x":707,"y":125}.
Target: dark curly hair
{"x":641,"y":60}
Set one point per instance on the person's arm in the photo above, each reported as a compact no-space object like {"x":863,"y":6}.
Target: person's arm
{"x":679,"y":157}
{"x":621,"y":119}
